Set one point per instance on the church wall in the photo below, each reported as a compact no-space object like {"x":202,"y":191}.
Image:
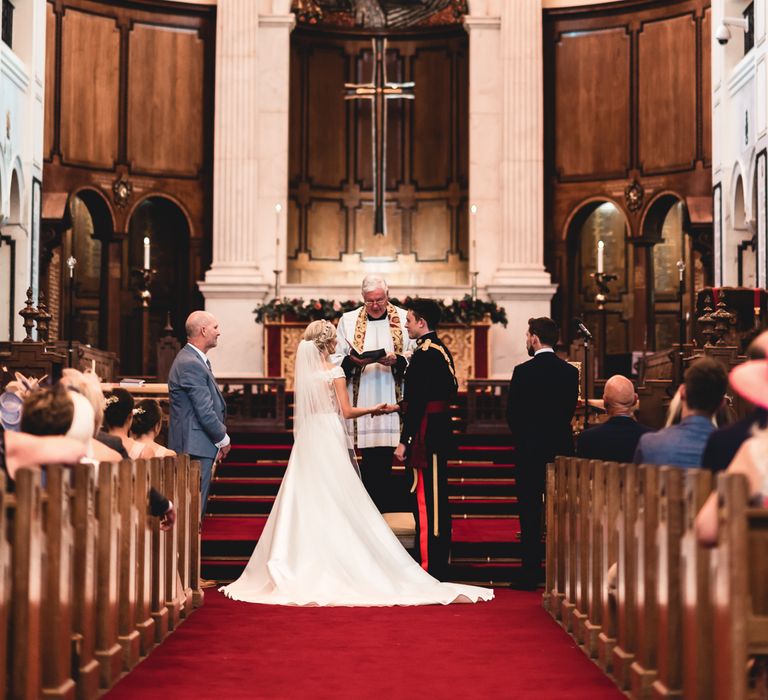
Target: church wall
{"x":128,"y":117}
{"x":627,"y":120}
{"x":21,"y":93}
{"x":740,"y":140}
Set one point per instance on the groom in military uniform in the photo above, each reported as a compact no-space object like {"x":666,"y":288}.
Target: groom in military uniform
{"x":426,"y":438}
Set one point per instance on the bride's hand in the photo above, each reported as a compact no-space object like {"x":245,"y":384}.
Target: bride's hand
{"x":379,"y":409}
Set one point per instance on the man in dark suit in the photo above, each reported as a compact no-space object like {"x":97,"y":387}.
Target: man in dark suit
{"x":197,"y":407}
{"x":616,"y":439}
{"x":542,"y":398}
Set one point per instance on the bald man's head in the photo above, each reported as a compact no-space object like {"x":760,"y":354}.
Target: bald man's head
{"x":619,"y":396}
{"x":758,"y":348}
{"x":202,"y":330}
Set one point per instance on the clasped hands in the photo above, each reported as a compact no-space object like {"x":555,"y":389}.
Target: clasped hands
{"x":384,"y":408}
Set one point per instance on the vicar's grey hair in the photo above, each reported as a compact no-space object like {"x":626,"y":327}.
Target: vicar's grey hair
{"x":373,"y":282}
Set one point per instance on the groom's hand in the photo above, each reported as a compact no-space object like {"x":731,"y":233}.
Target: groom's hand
{"x":389,"y":359}
{"x":400,"y":452}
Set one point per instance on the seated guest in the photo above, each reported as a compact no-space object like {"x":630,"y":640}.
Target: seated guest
{"x":147,"y":425}
{"x":682,"y":445}
{"x":118,"y":416}
{"x":723,"y":444}
{"x":616,"y":439}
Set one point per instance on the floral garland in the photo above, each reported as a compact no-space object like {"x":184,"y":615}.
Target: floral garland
{"x":464,"y":311}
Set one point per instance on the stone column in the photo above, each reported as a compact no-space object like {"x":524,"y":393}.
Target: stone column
{"x":506,"y":166}
{"x":250,"y":173}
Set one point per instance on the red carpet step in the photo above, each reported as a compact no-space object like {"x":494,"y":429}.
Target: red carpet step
{"x":508,"y":648}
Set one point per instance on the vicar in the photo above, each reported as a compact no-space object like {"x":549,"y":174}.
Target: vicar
{"x":372,"y":348}
{"x":542,"y":398}
{"x":427,"y":437}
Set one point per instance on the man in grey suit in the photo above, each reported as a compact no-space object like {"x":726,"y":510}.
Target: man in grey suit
{"x":197,"y":407}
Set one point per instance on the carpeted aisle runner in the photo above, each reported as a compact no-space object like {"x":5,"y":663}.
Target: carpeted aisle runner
{"x":509,"y":648}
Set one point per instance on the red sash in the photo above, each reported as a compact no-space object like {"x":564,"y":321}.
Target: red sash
{"x":417,"y":451}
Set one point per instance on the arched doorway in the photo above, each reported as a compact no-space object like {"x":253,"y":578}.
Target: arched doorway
{"x":166,"y":227}
{"x":594,"y":222}
{"x":664,"y":227}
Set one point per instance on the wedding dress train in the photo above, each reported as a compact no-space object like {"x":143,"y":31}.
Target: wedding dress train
{"x":325,"y":542}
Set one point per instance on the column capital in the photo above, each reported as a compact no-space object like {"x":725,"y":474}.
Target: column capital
{"x":479,"y":23}
{"x":278,"y":21}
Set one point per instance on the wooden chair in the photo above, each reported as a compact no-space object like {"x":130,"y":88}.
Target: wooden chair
{"x":623,"y":652}
{"x":84,"y":590}
{"x":56,"y":631}
{"x":108,"y":651}
{"x":671,"y":522}
{"x":643,"y":669}
{"x":27,"y":558}
{"x":609,"y":519}
{"x":128,"y":635}
{"x":697,"y":610}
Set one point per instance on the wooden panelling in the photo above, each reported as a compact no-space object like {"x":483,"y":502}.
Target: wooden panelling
{"x":325,"y":224}
{"x":386,"y":247}
{"x":431,"y":230}
{"x":90,"y":58}
{"x":592,"y":103}
{"x":432,"y":128}
{"x":50,"y":78}
{"x":705,"y":108}
{"x":165,"y":100}
{"x":667,"y":94}
{"x":326,"y":118}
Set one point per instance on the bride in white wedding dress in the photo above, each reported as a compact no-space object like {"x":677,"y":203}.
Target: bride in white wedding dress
{"x":325,"y":542}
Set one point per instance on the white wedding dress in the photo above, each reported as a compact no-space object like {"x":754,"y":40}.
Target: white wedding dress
{"x":325,"y":542}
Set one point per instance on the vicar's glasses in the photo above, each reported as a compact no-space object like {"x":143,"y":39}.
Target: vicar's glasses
{"x":376,"y":302}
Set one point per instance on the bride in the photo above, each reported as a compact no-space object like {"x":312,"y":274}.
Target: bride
{"x":325,"y":542}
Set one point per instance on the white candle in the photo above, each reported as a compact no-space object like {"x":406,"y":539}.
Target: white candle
{"x":600,"y":247}
{"x":93,"y":365}
{"x":146,"y":252}
{"x":278,"y":209}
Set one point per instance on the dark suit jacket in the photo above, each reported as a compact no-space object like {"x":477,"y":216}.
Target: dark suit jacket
{"x":724,"y":443}
{"x":612,"y":441}
{"x":542,"y":398}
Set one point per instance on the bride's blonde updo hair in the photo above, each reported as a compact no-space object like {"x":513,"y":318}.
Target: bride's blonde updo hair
{"x":321,"y":333}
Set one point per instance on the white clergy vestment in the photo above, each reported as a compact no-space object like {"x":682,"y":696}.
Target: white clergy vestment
{"x":377,"y":385}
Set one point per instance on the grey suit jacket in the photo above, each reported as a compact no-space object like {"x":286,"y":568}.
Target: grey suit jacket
{"x":197,"y":406}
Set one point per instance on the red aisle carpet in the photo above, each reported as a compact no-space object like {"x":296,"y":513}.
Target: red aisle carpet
{"x":509,"y":648}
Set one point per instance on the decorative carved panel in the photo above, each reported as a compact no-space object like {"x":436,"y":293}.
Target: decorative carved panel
{"x":325,"y":223}
{"x":165,"y":99}
{"x":50,"y":78}
{"x":667,"y":94}
{"x":90,"y":78}
{"x":706,"y":86}
{"x":592,"y":107}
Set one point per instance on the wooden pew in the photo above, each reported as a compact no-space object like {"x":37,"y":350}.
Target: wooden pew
{"x":556,"y":542}
{"x":609,"y":518}
{"x":643,"y":669}
{"x":144,"y":622}
{"x":583,"y":542}
{"x":84,"y":589}
{"x":183,"y":533}
{"x":56,"y":630}
{"x":27,"y":558}
{"x":173,"y":596}
{"x":595,"y":570}
{"x":740,"y":593}
{"x":551,"y":543}
{"x":127,"y":633}
{"x":198,"y":596}
{"x":623,"y":652}
{"x":108,"y":651}
{"x":5,"y":580}
{"x":697,"y":612}
{"x":669,"y":637}
{"x":571,"y":518}
{"x":158,"y":541}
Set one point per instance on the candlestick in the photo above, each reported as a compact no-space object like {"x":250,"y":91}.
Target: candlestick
{"x":473,"y":235}
{"x":278,"y":209}
{"x":146,"y":253}
{"x":600,"y":247}
{"x":474,"y":285}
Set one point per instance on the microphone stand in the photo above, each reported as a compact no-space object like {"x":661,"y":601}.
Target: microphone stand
{"x":586,"y":381}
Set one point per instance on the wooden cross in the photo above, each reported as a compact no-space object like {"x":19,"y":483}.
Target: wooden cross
{"x":378,"y":91}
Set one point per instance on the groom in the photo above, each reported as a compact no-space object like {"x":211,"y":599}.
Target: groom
{"x":426,"y":440}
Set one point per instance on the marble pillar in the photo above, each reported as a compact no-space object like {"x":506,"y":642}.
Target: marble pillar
{"x":506,"y":167}
{"x":250,"y":174}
